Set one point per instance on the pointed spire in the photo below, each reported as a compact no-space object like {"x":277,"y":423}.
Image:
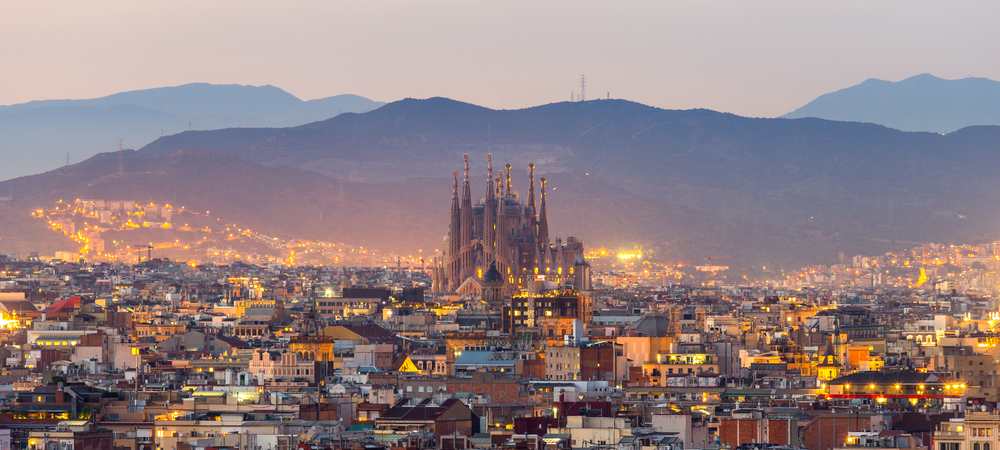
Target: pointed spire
{"x":455,"y":231}
{"x":547,"y":259}
{"x":502,"y":253}
{"x":543,"y":220}
{"x":489,"y":166}
{"x":500,"y":187}
{"x":489,"y":213}
{"x":508,"y":178}
{"x":531,"y":185}
{"x":465,"y":264}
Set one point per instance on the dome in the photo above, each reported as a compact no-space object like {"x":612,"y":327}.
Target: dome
{"x":653,"y":325}
{"x":492,"y":275}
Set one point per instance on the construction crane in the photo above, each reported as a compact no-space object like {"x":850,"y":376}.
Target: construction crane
{"x":936,"y":283}
{"x":149,"y":252}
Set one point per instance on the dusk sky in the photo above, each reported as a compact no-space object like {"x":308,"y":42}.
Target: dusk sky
{"x":761,"y":58}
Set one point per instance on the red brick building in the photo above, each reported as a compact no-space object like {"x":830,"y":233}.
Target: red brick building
{"x":830,"y":431}
{"x":597,"y":360}
{"x":750,"y":426}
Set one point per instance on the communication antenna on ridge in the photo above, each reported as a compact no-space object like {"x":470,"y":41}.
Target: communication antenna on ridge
{"x":121,"y":163}
{"x":583,"y":88}
{"x":67,"y":158}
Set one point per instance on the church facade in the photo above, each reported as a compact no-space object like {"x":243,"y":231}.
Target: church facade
{"x":509,"y":233}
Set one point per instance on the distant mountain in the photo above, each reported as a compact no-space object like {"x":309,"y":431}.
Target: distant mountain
{"x":692,"y":183}
{"x":36,"y":136}
{"x":920,"y":103}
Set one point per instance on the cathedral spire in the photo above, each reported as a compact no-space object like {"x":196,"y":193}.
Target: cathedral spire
{"x":543,"y":220}
{"x":500,"y":187}
{"x":489,"y":214}
{"x":508,"y":179}
{"x":454,"y":238}
{"x":531,"y":186}
{"x":466,"y":263}
{"x":502,"y":253}
{"x":454,"y":251}
{"x":489,"y":167}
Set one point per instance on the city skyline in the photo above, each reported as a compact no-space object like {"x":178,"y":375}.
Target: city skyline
{"x":349,"y":225}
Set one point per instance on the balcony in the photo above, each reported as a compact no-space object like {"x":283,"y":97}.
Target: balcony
{"x":949,"y":431}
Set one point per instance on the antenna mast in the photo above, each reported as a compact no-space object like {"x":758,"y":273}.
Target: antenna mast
{"x":583,"y":88}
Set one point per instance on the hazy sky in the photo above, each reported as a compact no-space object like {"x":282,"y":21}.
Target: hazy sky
{"x":755,"y":58}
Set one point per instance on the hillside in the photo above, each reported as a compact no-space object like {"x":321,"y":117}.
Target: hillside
{"x":36,"y":136}
{"x":920,"y":103}
{"x":682,"y":184}
{"x":297,"y":204}
{"x":842,"y":183}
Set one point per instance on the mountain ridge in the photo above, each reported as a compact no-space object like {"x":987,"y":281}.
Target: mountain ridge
{"x":682,"y":184}
{"x":846,"y":182}
{"x":37,"y":136}
{"x":920,"y":103}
